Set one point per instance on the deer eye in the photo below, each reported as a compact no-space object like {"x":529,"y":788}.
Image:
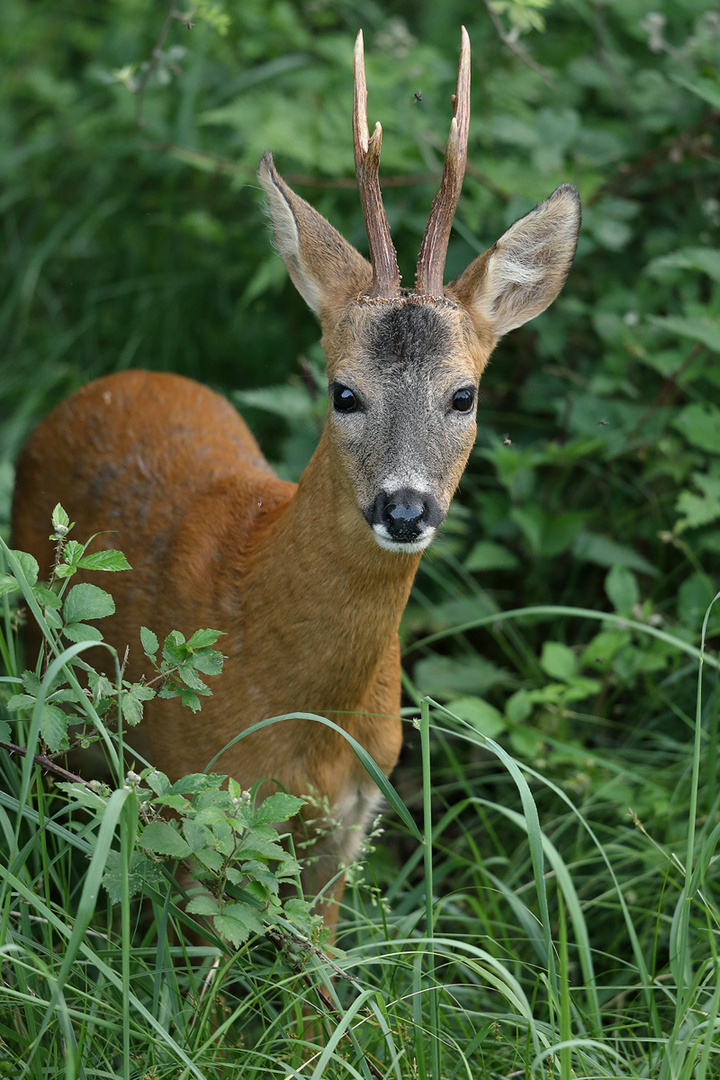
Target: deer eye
{"x":344,"y":400}
{"x":463,"y":400}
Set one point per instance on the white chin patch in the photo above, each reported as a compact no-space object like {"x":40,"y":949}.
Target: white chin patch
{"x":410,"y":547}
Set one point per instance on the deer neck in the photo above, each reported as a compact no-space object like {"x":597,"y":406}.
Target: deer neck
{"x":327,"y":596}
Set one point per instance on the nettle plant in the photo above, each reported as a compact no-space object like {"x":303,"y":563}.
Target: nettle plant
{"x":228,"y":839}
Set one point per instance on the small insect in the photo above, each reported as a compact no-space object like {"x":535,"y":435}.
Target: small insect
{"x":603,"y":423}
{"x":507,"y":441}
{"x":418,"y":95}
{"x":189,"y":25}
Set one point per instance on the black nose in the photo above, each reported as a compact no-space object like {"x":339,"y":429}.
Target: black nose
{"x":404,"y":513}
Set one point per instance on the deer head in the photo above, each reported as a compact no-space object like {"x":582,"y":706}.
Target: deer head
{"x":404,"y":365}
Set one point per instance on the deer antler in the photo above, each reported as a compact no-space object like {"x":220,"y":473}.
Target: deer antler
{"x":386,"y":276}
{"x":431,"y":260}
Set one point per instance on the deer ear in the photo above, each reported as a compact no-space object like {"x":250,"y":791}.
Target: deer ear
{"x":327,"y":271}
{"x":525,"y":270}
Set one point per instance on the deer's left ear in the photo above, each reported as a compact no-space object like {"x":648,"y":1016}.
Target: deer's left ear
{"x":525,"y":270}
{"x":326,"y":270}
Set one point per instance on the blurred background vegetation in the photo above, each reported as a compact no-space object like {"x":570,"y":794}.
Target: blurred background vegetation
{"x":133,"y":235}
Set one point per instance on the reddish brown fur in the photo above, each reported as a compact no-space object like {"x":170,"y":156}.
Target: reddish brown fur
{"x":296,"y":576}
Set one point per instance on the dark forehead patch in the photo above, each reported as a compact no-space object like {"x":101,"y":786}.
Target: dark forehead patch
{"x":410,"y":335}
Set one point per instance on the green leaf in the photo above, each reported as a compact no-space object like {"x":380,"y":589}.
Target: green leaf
{"x":483,"y":716}
{"x":46,"y":597}
{"x":87,"y":602}
{"x":158,"y":781}
{"x":237,"y":922}
{"x":175,"y":649}
{"x":5,"y":731}
{"x":72,"y":553}
{"x":163,"y":838}
{"x":486,"y":555}
{"x":558,"y":661}
{"x":53,"y":728}
{"x":698,"y":510}
{"x":700,"y":424}
{"x":276,"y":808}
{"x":208,"y":661}
{"x":704,"y":259}
{"x":603,"y":551}
{"x":141,"y":872}
{"x":132,"y":700}
{"x":202,"y":905}
{"x":447,"y":677}
{"x":704,"y":330}
{"x":622,"y":589}
{"x":82,"y":632}
{"x":604,"y":647}
{"x":28,"y":566}
{"x":105,"y":560}
{"x":8,"y":585}
{"x":60,"y":519}
{"x":703,"y":87}
{"x":201,"y":639}
{"x":149,"y":641}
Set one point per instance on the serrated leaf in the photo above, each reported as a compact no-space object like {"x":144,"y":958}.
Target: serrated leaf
{"x":81,"y":632}
{"x":191,"y":679}
{"x":201,"y":639}
{"x":46,"y":597}
{"x":196,"y":836}
{"x":190,"y":701}
{"x":5,"y":731}
{"x":53,"y":728}
{"x":132,"y":702}
{"x":700,"y":424}
{"x":8,"y":585}
{"x":158,"y":782}
{"x":149,"y":641}
{"x":175,"y":649}
{"x":698,"y":510}
{"x":111,"y":561}
{"x":163,"y":838}
{"x":87,"y":601}
{"x":237,"y":922}
{"x":208,"y":661}
{"x":85,"y":796}
{"x":276,"y":808}
{"x":28,"y":566}
{"x":141,"y":872}
{"x":202,"y":905}
{"x":72,"y":553}
{"x":21,"y":702}
{"x":60,"y":519}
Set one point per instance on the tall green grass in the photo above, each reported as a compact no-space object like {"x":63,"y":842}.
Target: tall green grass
{"x":527,"y":935}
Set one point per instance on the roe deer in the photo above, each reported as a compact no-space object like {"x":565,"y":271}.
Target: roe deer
{"x":308,"y":581}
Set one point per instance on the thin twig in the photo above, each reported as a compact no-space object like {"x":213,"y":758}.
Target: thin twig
{"x":47,"y":765}
{"x":517,"y":49}
{"x":152,"y":63}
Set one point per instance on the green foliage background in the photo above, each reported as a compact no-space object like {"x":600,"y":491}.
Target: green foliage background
{"x":133,"y":235}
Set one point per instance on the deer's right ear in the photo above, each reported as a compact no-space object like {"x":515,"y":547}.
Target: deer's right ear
{"x":525,"y":270}
{"x":326,"y":270}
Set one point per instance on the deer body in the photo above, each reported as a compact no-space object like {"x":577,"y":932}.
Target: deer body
{"x":307,"y":581}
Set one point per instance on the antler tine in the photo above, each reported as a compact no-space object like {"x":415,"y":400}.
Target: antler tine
{"x":386,"y":276}
{"x":431,"y":261}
